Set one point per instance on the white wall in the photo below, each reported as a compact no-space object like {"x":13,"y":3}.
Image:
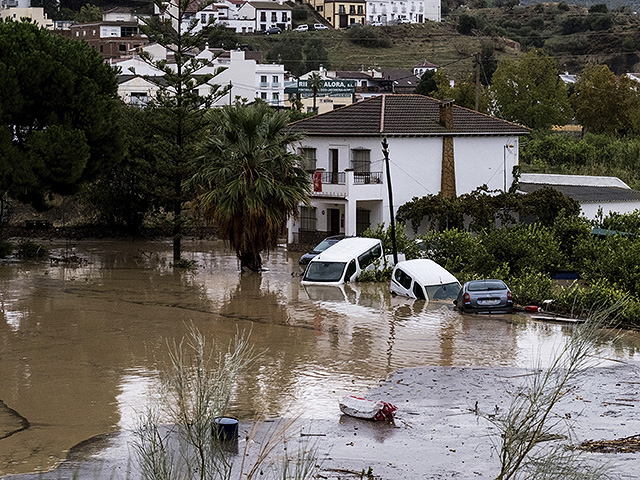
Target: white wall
{"x":590,"y":210}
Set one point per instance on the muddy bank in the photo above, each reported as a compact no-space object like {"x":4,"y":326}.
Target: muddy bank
{"x":436,"y":434}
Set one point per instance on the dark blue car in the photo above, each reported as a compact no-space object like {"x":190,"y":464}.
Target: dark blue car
{"x":321,"y":247}
{"x":485,"y":296}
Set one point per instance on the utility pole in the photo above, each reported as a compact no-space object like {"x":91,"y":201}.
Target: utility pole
{"x":385,"y":151}
{"x":477,"y":105}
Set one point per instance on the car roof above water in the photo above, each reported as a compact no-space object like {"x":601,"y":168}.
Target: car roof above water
{"x":346,"y":249}
{"x":427,"y":272}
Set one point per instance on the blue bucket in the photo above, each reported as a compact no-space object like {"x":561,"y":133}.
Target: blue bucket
{"x":225,"y":428}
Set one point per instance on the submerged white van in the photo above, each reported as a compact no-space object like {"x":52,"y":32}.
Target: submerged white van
{"x":344,"y":261}
{"x":423,"y":279}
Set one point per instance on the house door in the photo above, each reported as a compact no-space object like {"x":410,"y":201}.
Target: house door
{"x":344,"y":20}
{"x":334,"y":221}
{"x":334,"y":166}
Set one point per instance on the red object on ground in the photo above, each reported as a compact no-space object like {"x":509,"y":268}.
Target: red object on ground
{"x":532,"y":308}
{"x":362,"y":408}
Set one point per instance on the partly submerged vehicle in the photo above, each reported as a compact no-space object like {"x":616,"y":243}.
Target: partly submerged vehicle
{"x":344,"y":261}
{"x":486,"y":296}
{"x":424,"y":279}
{"x":321,"y":247}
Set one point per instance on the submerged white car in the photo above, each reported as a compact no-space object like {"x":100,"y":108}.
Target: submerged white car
{"x":423,"y":279}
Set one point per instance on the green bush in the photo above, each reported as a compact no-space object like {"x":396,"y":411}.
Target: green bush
{"x":524,"y":247}
{"x":531,"y":287}
{"x":31,"y":250}
{"x":6,"y":248}
{"x":456,"y":250}
{"x":581,"y":300}
{"x":404,"y":244}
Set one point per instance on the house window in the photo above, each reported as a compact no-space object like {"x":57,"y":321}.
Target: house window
{"x":275,"y":97}
{"x":309,"y":161}
{"x":308,"y":219}
{"x":263,"y":95}
{"x":341,"y":9}
{"x":363,"y":220}
{"x":122,"y":47}
{"x":319,"y":8}
{"x":284,"y":16}
{"x":274,"y":79}
{"x":274,"y":17}
{"x":129,"y":31}
{"x":203,"y":18}
{"x":101,"y":48}
{"x":263,"y":16}
{"x":361,"y":160}
{"x":352,"y":10}
{"x":360,"y":10}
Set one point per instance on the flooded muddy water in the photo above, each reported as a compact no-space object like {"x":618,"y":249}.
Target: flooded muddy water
{"x":81,"y":345}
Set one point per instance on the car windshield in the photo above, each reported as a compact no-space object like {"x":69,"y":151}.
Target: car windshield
{"x":486,"y":285}
{"x":324,"y":272}
{"x":447,"y":291}
{"x":323,"y":245}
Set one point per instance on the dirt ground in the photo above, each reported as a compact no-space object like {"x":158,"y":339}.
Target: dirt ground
{"x":436,"y":433}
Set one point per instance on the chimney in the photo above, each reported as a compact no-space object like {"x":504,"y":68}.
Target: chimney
{"x":446,"y":113}
{"x":448,"y":169}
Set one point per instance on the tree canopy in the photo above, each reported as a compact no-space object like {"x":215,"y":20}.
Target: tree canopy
{"x":249,"y":183}
{"x":529,"y":91}
{"x":58,"y":113}
{"x":605,"y":103}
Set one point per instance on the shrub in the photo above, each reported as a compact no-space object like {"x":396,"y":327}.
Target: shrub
{"x":455,"y":250}
{"x":467,"y":24}
{"x":524,"y":247}
{"x":530,"y":287}
{"x":299,"y":13}
{"x":404,"y":244}
{"x":31,"y":250}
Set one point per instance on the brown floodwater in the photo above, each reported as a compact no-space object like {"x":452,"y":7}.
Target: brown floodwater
{"x":81,"y":345}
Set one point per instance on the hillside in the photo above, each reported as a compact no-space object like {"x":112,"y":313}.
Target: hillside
{"x":571,"y":34}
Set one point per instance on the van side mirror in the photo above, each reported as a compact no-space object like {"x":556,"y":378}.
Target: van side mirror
{"x":455,"y":302}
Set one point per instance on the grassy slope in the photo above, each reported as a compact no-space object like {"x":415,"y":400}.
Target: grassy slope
{"x":441,"y":44}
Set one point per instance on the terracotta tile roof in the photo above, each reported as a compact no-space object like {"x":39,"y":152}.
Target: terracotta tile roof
{"x":425,"y":64}
{"x":352,"y":74}
{"x":403,"y":115}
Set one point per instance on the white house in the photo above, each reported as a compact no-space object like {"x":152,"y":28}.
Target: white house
{"x":267,"y":14}
{"x":390,"y":11}
{"x":424,"y":66}
{"x":246,"y":77}
{"x":16,"y":10}
{"x":608,"y":194}
{"x":434,"y":147}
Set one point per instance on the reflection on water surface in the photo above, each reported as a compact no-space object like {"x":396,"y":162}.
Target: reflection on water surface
{"x":81,"y":346}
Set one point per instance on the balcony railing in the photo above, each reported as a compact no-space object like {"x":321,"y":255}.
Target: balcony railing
{"x":362,"y":178}
{"x":334,"y":178}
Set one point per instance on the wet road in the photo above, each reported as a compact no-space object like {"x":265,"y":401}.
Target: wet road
{"x":81,"y":345}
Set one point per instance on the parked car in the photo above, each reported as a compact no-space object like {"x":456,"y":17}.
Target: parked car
{"x":423,"y":279}
{"x":273,"y":31}
{"x":321,"y":247}
{"x":302,"y":28}
{"x":320,"y":26}
{"x":344,"y":261}
{"x":488,"y":296}
{"x":403,"y":20}
{"x":376,"y":24}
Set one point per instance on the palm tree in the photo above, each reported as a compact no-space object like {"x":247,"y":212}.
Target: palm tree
{"x":315,"y":82}
{"x":249,"y":182}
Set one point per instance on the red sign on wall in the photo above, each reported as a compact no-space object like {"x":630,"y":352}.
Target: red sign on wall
{"x":317,"y":181}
